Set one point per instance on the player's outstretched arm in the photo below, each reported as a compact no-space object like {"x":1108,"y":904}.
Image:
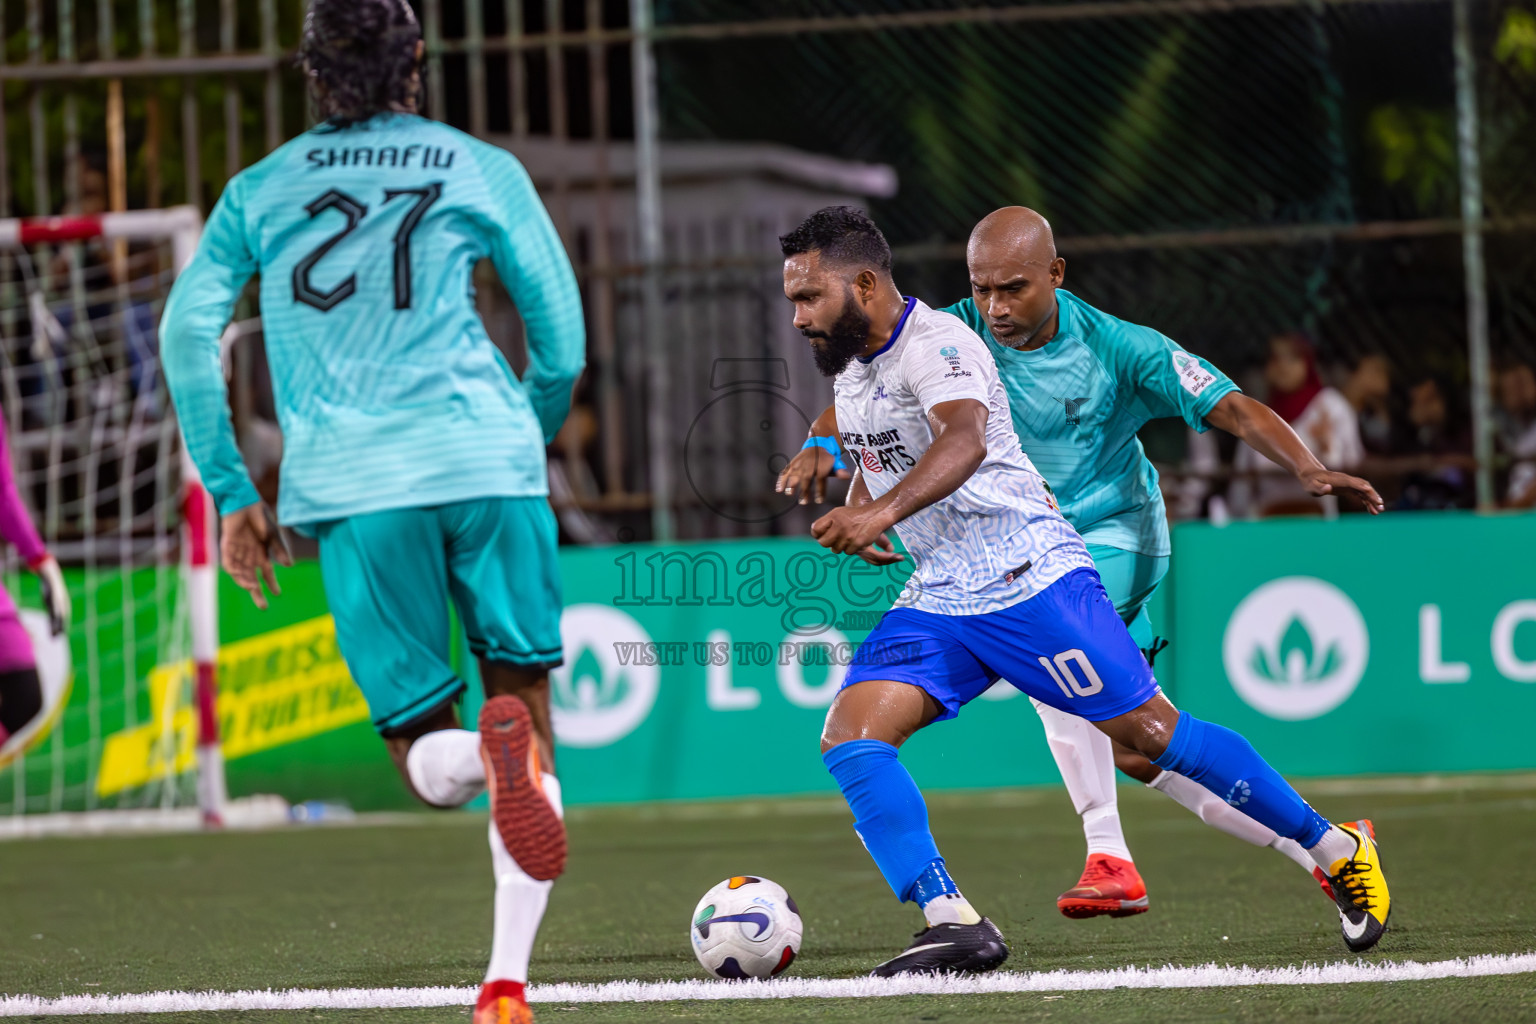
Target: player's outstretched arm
{"x":959,"y":447}
{"x":806,"y":475}
{"x":532,"y":263}
{"x":1262,"y":429}
{"x":196,"y":313}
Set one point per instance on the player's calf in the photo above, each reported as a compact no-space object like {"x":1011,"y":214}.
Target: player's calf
{"x":439,"y":761}
{"x":1136,"y":765}
{"x":864,"y":726}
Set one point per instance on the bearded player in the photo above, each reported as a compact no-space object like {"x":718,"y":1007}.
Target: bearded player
{"x":1080,"y":384}
{"x":1002,"y":587}
{"x":411,"y":451}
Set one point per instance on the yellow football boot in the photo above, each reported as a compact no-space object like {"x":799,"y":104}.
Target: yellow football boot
{"x":1360,"y":890}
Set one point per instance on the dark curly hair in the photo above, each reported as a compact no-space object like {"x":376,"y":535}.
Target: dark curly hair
{"x":360,"y":57}
{"x":843,"y":235}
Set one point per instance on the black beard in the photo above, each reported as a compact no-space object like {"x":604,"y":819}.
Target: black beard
{"x":846,"y":339}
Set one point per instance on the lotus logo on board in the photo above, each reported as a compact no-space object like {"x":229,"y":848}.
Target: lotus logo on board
{"x":595,"y":699}
{"x":1295,"y":648}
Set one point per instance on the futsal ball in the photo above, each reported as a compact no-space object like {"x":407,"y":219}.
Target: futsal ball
{"x":746,"y":927}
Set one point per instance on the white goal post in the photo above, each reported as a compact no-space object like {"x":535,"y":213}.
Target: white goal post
{"x":177,"y":228}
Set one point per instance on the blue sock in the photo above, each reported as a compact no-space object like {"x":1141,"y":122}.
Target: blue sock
{"x":888,"y":811}
{"x":1227,"y":765}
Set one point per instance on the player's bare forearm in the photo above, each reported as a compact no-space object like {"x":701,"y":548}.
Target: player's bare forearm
{"x":1263,"y":430}
{"x":806,"y":474}
{"x":858,"y":492}
{"x":959,"y":447}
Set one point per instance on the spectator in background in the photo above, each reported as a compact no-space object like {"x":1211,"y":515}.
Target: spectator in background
{"x":1434,"y":432}
{"x":1321,"y":416}
{"x":1515,"y":431}
{"x":1369,"y":390}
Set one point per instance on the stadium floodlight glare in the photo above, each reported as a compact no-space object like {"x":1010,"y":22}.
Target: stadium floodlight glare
{"x":97,"y":312}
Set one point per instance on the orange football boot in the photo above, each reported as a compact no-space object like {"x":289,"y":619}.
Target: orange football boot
{"x":530,"y":829}
{"x":1110,"y":885}
{"x":502,"y":1002}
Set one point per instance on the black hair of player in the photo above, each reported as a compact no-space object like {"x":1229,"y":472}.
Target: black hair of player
{"x":843,"y":235}
{"x":359,"y":57}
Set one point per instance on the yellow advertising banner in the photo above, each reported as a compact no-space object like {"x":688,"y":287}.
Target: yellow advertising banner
{"x":274,"y":688}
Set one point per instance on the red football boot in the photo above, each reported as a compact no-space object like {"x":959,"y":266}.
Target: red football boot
{"x":502,"y":1002}
{"x":530,"y":829}
{"x":1110,"y":885}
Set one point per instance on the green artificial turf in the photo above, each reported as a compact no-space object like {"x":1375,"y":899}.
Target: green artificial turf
{"x":408,"y":905}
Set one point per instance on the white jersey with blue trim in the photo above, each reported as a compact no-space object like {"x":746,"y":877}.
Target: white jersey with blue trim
{"x":999,"y":538}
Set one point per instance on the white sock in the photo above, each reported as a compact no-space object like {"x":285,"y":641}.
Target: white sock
{"x":520,"y":903}
{"x":1217,"y":813}
{"x":951,"y":908}
{"x":445,"y":767}
{"x":552,"y":794}
{"x":1212,"y":809}
{"x":1336,"y":845}
{"x":1101,"y":827}
{"x":1086,"y":760}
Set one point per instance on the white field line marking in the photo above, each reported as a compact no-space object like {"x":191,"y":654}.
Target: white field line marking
{"x":1209,"y":976}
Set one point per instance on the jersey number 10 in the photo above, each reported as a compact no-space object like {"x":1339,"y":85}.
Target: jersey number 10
{"x":304,"y":291}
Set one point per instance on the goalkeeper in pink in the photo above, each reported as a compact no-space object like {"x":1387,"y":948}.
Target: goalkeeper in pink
{"x":21,"y":693}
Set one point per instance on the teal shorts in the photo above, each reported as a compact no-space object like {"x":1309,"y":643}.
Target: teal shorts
{"x":1130,"y":578}
{"x":390,"y":575}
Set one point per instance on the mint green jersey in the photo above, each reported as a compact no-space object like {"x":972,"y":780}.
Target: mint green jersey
{"x":1077,"y":403}
{"x":388,"y":390}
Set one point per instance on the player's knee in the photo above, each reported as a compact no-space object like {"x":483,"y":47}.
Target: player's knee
{"x":842,"y":726}
{"x":834,"y":732}
{"x":21,"y":698}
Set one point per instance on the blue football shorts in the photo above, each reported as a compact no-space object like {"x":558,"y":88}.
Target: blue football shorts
{"x":1066,"y":647}
{"x":390,"y":575}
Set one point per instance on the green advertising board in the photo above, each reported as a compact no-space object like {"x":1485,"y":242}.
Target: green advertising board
{"x":1404,"y":643}
{"x":707,"y":671}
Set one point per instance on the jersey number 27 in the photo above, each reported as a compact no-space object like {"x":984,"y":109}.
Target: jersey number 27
{"x":305,"y":291}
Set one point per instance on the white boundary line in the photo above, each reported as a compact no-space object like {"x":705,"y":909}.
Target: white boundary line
{"x":1209,"y":976}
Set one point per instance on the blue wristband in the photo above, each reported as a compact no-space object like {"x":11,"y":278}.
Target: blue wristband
{"x":827,"y":444}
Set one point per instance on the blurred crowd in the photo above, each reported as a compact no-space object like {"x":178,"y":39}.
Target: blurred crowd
{"x":1405,"y":428}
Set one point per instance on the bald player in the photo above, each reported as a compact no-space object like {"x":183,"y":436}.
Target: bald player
{"x":1080,"y":385}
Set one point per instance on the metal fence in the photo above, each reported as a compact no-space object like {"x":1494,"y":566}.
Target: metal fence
{"x":1223,"y":170}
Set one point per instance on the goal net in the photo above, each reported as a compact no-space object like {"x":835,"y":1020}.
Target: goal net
{"x":99,"y":461}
